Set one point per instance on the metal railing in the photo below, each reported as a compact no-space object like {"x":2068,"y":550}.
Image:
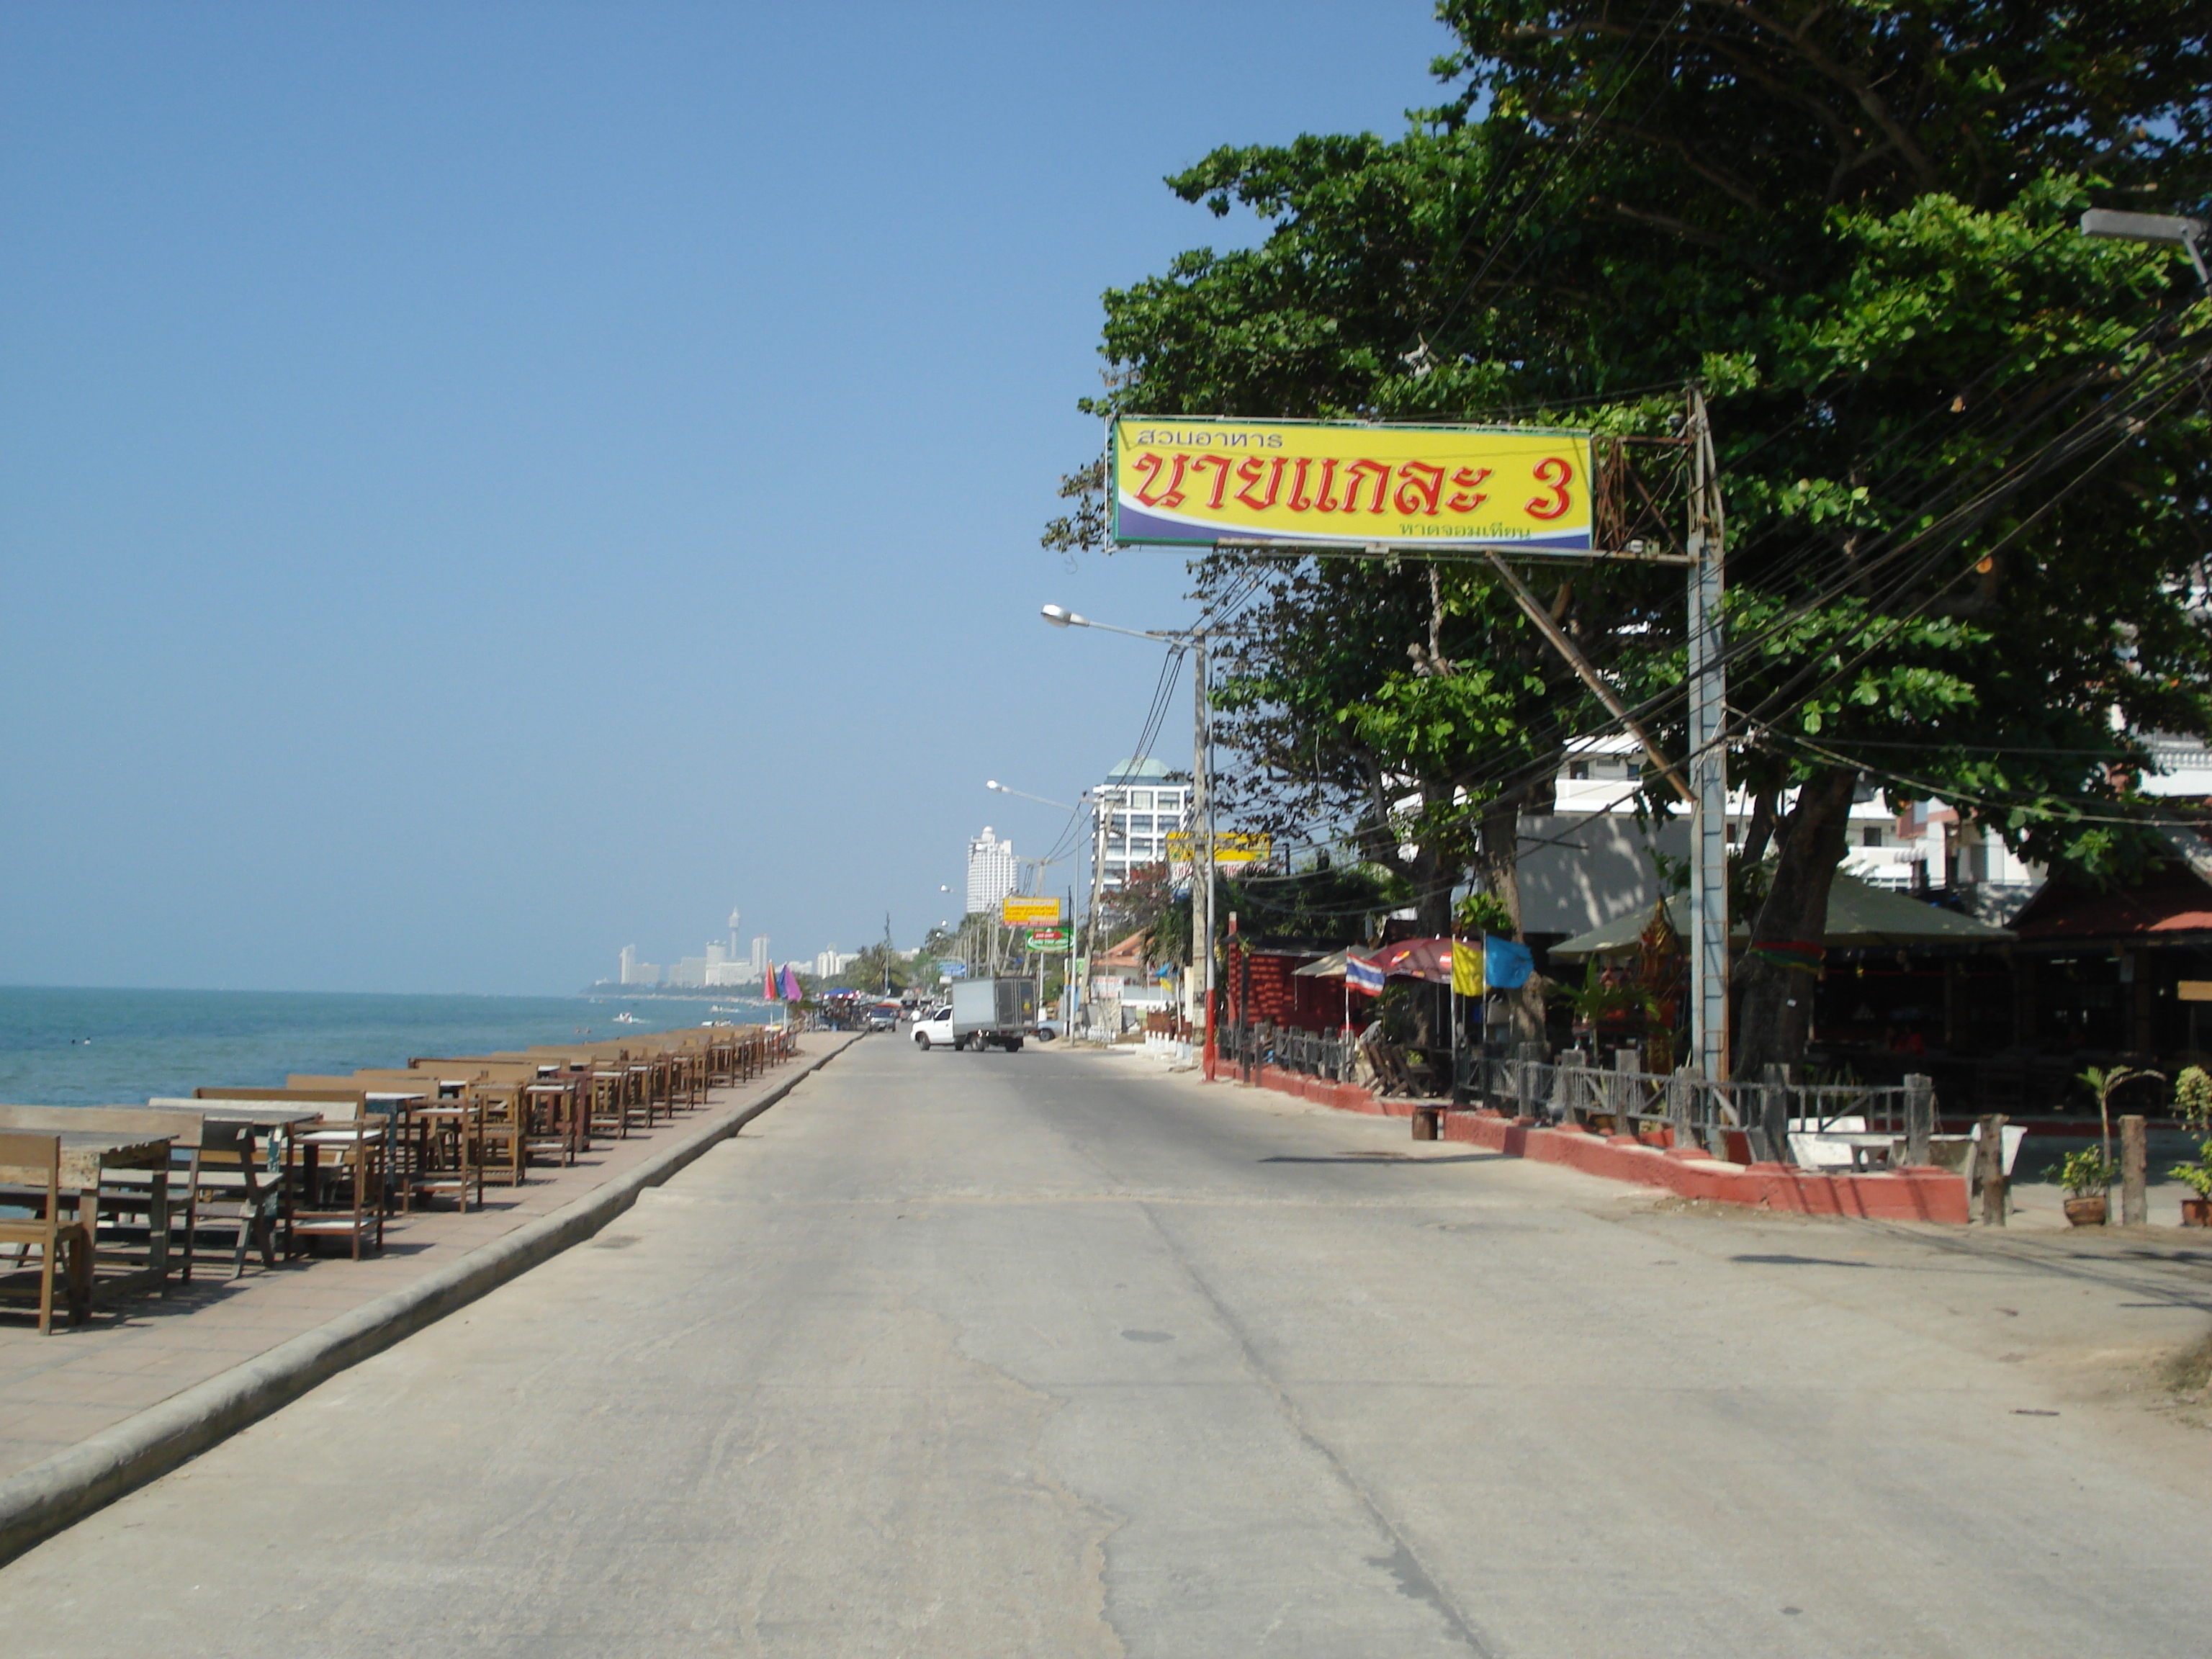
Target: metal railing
{"x":1573,"y":1087}
{"x":1248,"y":1045}
{"x":1697,"y":1110}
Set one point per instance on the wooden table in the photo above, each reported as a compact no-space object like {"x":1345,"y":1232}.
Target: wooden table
{"x":86,"y":1155}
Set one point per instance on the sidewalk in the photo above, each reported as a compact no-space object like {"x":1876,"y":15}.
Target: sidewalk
{"x":59,"y":1391}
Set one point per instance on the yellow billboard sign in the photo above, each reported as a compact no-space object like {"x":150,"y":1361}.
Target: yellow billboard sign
{"x":1182,"y":482}
{"x":1028,"y":912}
{"x":1232,"y":849}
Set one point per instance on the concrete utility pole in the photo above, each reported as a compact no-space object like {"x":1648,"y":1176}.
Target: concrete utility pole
{"x":1709,"y":905}
{"x":1200,"y":993}
{"x":1201,"y":799}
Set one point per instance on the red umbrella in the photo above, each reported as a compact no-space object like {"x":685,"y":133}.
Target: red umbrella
{"x":1429,"y":959}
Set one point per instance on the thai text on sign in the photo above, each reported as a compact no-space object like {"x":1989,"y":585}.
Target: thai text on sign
{"x":1231,"y":848}
{"x":1019,"y":912}
{"x":1199,"y":482}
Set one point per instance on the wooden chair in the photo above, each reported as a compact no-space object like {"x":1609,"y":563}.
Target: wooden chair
{"x":338,"y":1180}
{"x":451,"y":1151}
{"x":228,"y":1190}
{"x":48,"y":1230}
{"x":502,"y":1130}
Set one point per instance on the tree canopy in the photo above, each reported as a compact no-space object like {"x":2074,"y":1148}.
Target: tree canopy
{"x":1963,"y":447}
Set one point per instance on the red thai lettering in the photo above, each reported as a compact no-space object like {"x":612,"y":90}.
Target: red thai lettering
{"x":1149,"y":464}
{"x":1555,"y":474}
{"x":1466,"y":498}
{"x":1300,"y":501}
{"x":1420,"y":489}
{"x":1327,"y":500}
{"x":1356,"y":476}
{"x":1251,"y":471}
{"x":1220,"y":465}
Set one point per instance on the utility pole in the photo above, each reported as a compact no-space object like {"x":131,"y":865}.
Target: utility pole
{"x":1199,"y":1004}
{"x":1102,"y":805}
{"x":1709,"y":904}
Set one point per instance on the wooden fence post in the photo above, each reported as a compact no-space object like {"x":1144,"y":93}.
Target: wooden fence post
{"x":1919,"y":1116}
{"x":2133,"y":1210}
{"x":1990,"y":1161}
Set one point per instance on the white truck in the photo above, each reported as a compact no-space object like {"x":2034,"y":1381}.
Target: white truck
{"x":984,"y":1013}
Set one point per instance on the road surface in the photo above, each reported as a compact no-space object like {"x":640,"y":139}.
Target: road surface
{"x":1045,"y":1354}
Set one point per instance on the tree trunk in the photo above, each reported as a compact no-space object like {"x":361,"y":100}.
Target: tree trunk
{"x":1498,"y":865}
{"x":1432,"y":878}
{"x":1775,"y":1012}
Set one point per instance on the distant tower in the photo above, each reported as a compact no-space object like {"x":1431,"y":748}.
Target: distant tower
{"x":992,"y":871}
{"x":733,"y":933}
{"x":629,"y":965}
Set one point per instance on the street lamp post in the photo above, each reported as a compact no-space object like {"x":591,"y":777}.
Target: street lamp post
{"x":1069,"y":990}
{"x":1199,"y":996}
{"x":2171,"y":229}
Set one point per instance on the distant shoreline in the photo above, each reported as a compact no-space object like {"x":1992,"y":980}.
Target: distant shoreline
{"x":604,"y":991}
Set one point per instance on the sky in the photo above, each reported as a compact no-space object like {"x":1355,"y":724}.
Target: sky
{"x":482,"y":485}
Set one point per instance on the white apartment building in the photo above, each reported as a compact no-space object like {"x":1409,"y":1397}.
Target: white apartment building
{"x":1140,"y":803}
{"x":831,"y":962}
{"x":1590,"y":861}
{"x":992,"y":871}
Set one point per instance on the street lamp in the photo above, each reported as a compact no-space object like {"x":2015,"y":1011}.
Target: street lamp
{"x":1201,"y":769}
{"x":992,"y":783}
{"x":2169,"y":228}
{"x":1087,"y":797}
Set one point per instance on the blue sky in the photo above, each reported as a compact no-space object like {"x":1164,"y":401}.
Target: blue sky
{"x":483,"y":485}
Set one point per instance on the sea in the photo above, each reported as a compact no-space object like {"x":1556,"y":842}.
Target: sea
{"x":118,"y":1047}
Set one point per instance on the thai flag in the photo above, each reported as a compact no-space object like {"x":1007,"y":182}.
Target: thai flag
{"x":1362,"y":975}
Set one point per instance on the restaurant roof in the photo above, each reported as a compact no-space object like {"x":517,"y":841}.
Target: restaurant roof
{"x":2169,"y":902}
{"x":1858,"y":916}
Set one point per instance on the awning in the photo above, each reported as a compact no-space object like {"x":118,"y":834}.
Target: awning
{"x":1329,"y":967}
{"x":1859,"y":916}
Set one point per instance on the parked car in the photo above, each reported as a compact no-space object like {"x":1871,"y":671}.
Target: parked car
{"x":884,"y":1017}
{"x":1047,"y":1030}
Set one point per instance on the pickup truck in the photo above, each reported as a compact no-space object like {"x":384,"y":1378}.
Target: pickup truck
{"x":984,"y":1013}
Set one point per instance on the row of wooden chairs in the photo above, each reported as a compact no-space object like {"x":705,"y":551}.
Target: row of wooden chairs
{"x":380,"y":1140}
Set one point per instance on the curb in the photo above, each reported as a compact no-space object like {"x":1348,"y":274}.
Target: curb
{"x":49,"y":1497}
{"x":1927,"y":1194}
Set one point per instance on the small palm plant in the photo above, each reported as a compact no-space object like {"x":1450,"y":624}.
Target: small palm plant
{"x":2102,"y":1084}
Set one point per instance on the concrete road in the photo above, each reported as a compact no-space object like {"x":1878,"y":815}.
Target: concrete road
{"x":1043,"y":1355}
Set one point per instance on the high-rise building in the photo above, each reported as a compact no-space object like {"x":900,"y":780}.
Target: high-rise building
{"x":760,"y":955}
{"x":1142,"y":802}
{"x":992,"y":871}
{"x":629,"y":965}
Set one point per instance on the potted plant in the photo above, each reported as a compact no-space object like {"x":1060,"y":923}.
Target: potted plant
{"x":2196,"y":1176}
{"x":2102,"y":1084}
{"x":2087,"y":1175}
{"x":2192,"y":1104}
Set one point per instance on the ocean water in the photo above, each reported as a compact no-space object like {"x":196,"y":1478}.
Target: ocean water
{"x":68,"y":1047}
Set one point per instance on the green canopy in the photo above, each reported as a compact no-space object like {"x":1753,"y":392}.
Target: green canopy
{"x":1858,"y":916}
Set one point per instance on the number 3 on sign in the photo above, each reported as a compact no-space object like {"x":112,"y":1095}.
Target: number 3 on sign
{"x":1556,"y":474}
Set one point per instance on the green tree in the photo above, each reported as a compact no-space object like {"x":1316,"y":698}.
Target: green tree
{"x":1963,"y":447}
